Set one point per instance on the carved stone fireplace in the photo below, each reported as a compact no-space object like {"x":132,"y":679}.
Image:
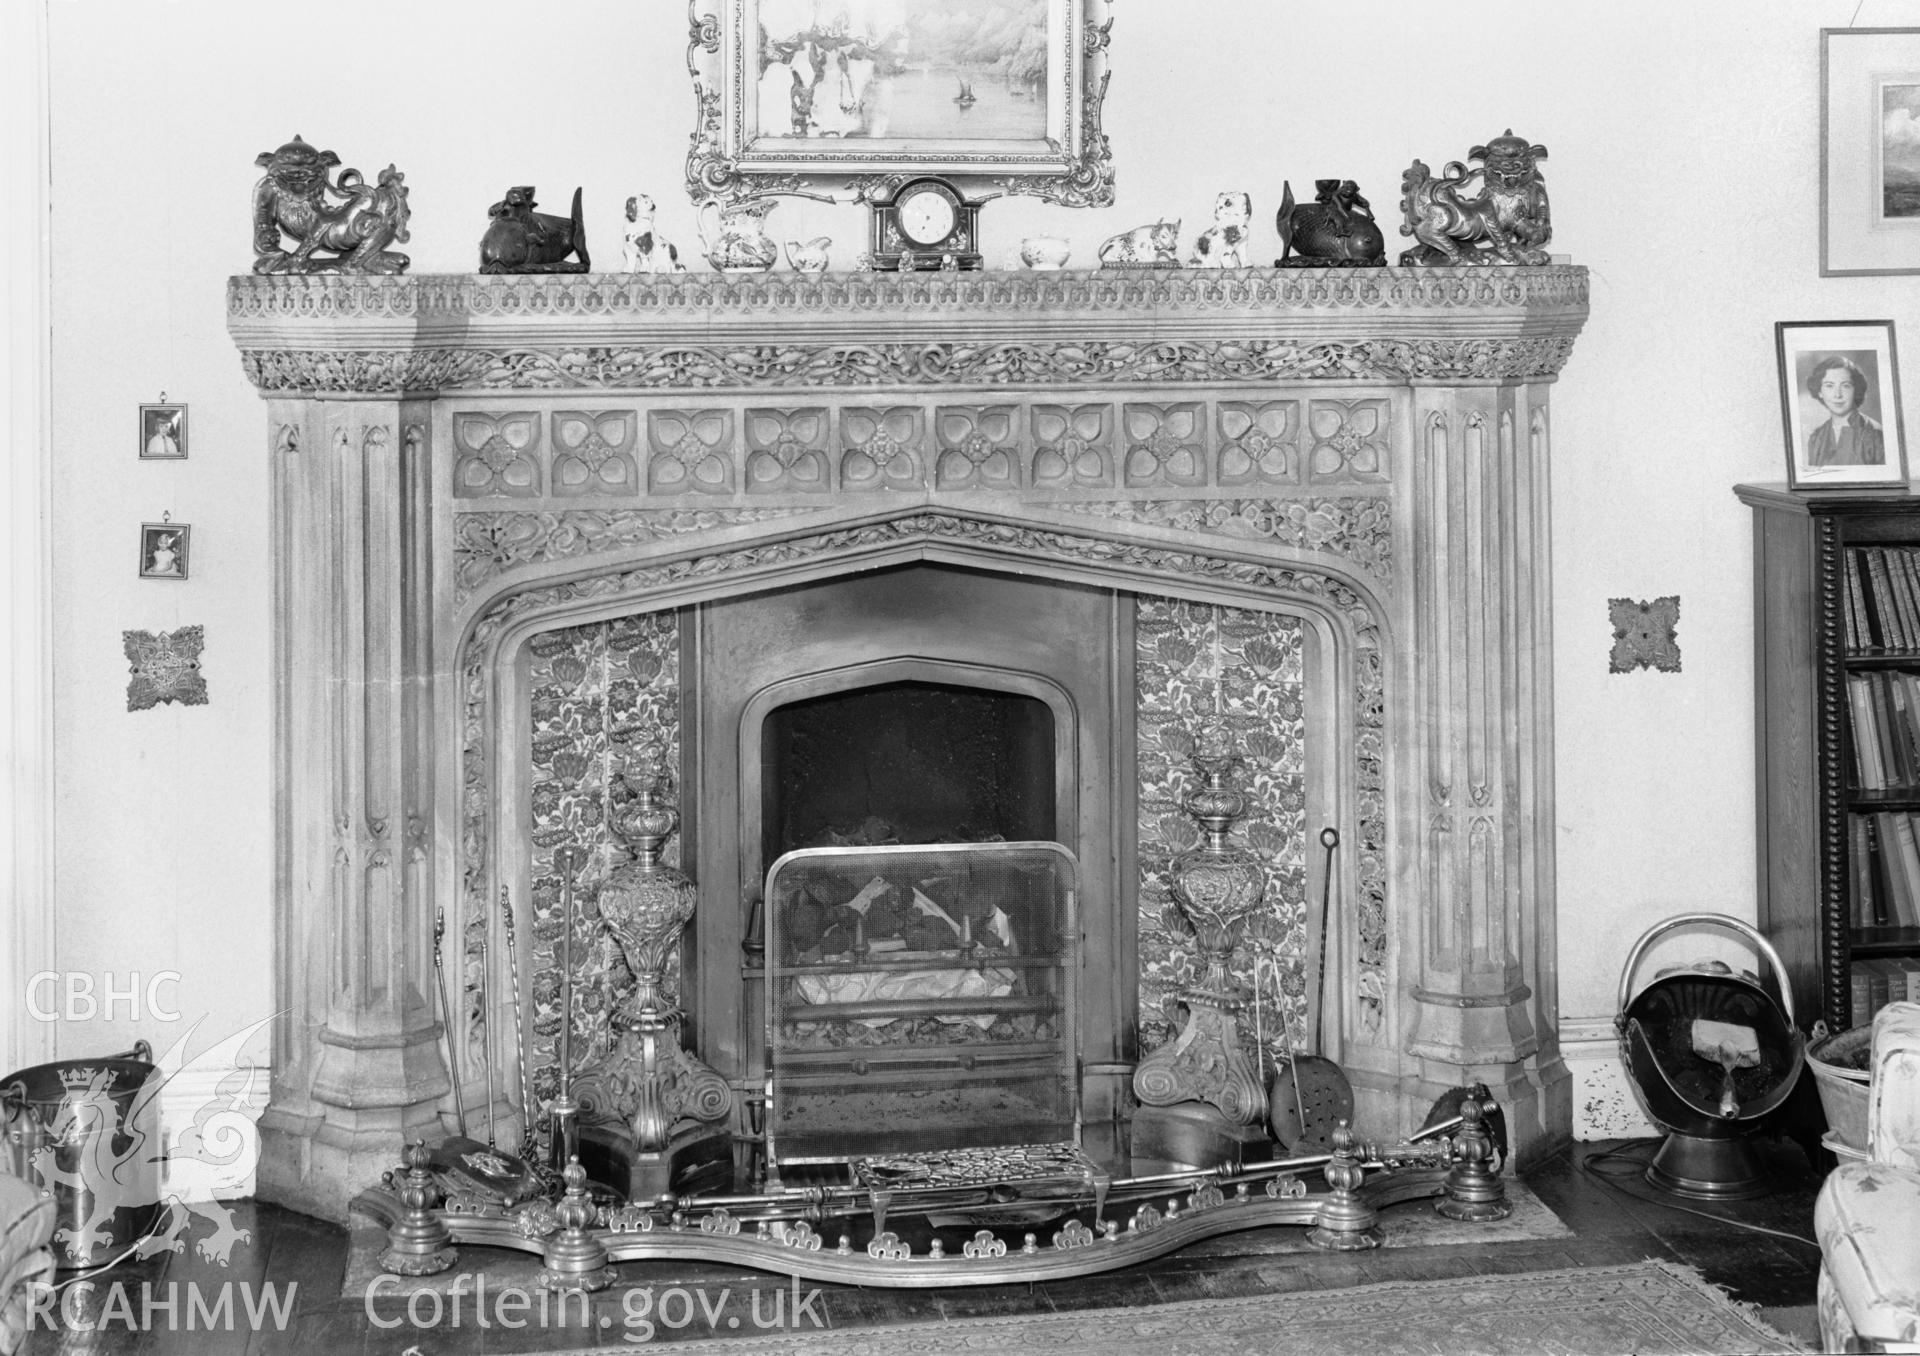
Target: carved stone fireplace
{"x":522,"y":521}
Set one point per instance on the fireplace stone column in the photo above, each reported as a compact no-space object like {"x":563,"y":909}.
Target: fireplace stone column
{"x":357,"y":1066}
{"x":1479,"y":729}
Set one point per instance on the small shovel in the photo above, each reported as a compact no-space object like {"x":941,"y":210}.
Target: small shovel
{"x":1321,"y":1096}
{"x":1731,"y":1047}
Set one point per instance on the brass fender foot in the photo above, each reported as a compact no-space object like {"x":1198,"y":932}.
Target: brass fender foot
{"x":1475,"y":1192}
{"x":1346,"y":1222}
{"x":418,"y":1243}
{"x":574,"y":1258}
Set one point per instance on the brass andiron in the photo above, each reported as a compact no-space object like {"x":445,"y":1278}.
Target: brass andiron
{"x":1475,"y":1192}
{"x":1216,"y":887}
{"x":419,"y":1242}
{"x":670,"y":1102}
{"x":574,"y":1257}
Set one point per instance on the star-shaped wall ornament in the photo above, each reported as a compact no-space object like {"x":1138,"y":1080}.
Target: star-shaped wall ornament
{"x":1643,"y":634}
{"x":166,"y":667}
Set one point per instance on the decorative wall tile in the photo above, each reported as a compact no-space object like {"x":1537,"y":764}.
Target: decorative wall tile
{"x":1166,"y":445}
{"x":1349,"y":440}
{"x":494,"y":455}
{"x":979,"y":447}
{"x":1073,"y":447}
{"x":165,"y":667}
{"x":593,"y":453}
{"x":787,"y":451}
{"x":596,"y":690}
{"x":1259,"y":443}
{"x":882,"y":448}
{"x":1645,"y":634}
{"x":692,"y":452}
{"x":1194,"y":662}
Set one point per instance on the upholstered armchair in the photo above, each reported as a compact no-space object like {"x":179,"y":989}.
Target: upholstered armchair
{"x":26,"y":1222}
{"x":1868,"y":1215}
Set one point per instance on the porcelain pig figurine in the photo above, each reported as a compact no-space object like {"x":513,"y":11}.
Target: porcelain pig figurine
{"x":809,"y":256}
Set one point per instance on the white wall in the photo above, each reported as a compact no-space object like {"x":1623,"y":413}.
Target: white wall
{"x":1684,"y":172}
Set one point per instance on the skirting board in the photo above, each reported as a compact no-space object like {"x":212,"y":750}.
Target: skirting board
{"x":209,"y":1120}
{"x":1605,"y":1106}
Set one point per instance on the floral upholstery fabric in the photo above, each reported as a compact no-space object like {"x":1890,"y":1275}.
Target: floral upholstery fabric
{"x":1865,"y":1218}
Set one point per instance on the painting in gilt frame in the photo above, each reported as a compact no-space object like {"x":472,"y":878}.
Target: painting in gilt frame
{"x":843,"y":99}
{"x":1869,"y":151}
{"x":1840,"y":399}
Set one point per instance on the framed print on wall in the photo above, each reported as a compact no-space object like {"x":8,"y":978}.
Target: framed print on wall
{"x":1869,"y":150}
{"x":1840,"y":399}
{"x":163,"y":431}
{"x":163,"y":550}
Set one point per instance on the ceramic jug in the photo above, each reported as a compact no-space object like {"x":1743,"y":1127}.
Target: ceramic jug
{"x":734,"y":236}
{"x":809,"y":256}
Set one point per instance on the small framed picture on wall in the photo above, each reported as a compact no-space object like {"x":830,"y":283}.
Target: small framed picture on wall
{"x":163,"y":432}
{"x":1840,"y":399}
{"x":163,"y":550}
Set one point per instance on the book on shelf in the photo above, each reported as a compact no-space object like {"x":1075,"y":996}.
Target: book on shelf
{"x":1900,"y":568}
{"x":1872,"y":776}
{"x":1879,"y":905}
{"x":1857,"y":605}
{"x":1896,"y":828}
{"x":1880,"y":598}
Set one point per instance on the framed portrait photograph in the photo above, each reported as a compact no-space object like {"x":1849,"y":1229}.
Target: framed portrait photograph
{"x":1869,"y":151}
{"x":1840,"y":400}
{"x":838,"y":98}
{"x":163,"y":433}
{"x":163,"y":550}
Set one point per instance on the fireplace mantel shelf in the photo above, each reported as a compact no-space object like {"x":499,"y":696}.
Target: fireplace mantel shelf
{"x":451,"y":332}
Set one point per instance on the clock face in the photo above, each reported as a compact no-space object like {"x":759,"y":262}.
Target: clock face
{"x":926,"y":216}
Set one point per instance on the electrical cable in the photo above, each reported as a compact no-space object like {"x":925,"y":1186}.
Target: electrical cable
{"x":1592,"y":1165}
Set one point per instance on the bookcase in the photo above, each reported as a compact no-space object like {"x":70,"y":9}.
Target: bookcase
{"x":1837,"y":743}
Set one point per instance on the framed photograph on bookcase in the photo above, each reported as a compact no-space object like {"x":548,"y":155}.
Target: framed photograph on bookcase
{"x":1840,"y":401}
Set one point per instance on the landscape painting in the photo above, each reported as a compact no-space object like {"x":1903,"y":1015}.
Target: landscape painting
{"x":913,"y":70}
{"x":1900,"y":150}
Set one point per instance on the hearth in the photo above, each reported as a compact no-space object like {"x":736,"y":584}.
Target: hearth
{"x":520,"y":522}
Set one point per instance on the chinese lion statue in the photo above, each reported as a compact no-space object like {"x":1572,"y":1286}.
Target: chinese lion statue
{"x":338,"y":226}
{"x":1506,"y":222}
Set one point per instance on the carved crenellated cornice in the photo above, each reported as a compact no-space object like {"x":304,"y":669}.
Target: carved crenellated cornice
{"x":1130,"y":327}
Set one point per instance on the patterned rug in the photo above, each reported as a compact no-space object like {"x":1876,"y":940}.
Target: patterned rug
{"x":1650,"y":1307}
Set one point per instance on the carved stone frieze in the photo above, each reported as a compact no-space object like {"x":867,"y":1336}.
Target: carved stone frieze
{"x":644,"y":584}
{"x":883,"y":448}
{"x":487,"y":544}
{"x":1357,"y":528}
{"x":994,"y":365}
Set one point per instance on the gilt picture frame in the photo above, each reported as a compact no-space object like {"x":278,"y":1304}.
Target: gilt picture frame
{"x":163,"y":433}
{"x":163,"y":550}
{"x":843,"y":100}
{"x":1840,"y":402}
{"x":1869,"y":151}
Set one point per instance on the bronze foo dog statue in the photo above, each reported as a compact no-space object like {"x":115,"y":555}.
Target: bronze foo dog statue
{"x":521,"y":240}
{"x":350,"y":219}
{"x":1506,"y":222}
{"x":1335,"y":229}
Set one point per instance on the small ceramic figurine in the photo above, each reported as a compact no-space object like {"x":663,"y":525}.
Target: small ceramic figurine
{"x":1506,"y":222}
{"x":1336,"y":228}
{"x":1224,"y":244}
{"x":809,"y":256}
{"x":521,"y":240}
{"x":1043,"y":251}
{"x":1158,"y":243}
{"x":641,"y":249}
{"x":349,"y":219}
{"x":734,"y":235}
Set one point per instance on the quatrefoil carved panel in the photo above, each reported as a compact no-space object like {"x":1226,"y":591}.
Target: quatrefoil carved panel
{"x":593,"y":453}
{"x":882,"y":448}
{"x":979,"y":448}
{"x":787,"y":451}
{"x":1349,"y":441}
{"x":692,"y":452}
{"x":495,"y":455}
{"x":1259,"y":443}
{"x":1166,"y":445}
{"x":1073,"y":447}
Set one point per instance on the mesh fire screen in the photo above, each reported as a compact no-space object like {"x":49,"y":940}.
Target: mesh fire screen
{"x":920,"y":998}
